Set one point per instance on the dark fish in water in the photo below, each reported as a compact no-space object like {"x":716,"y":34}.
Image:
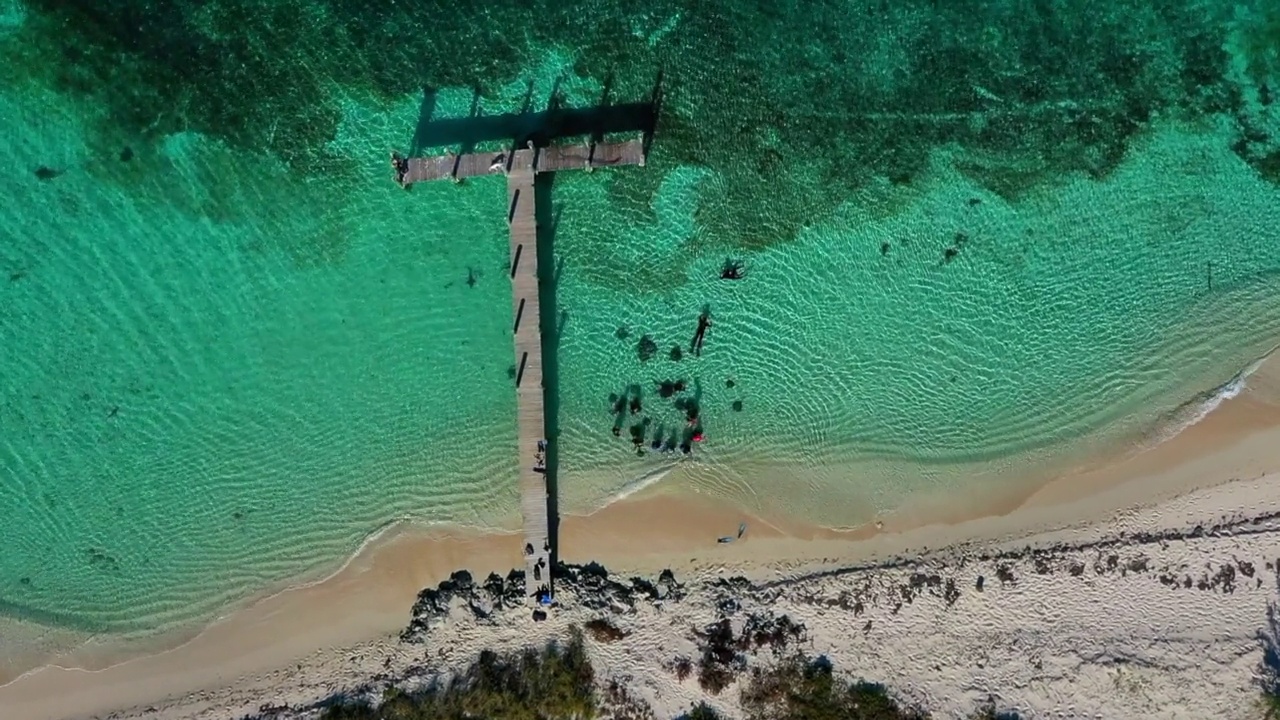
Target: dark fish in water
{"x":44,"y":172}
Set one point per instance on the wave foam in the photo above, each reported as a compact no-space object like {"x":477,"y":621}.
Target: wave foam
{"x":1199,"y":407}
{"x":649,"y":479}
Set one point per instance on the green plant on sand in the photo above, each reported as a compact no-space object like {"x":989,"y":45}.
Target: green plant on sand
{"x":803,"y":689}
{"x":555,"y":683}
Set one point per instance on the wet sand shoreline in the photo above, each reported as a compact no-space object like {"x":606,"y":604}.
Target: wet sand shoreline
{"x":369,"y":599}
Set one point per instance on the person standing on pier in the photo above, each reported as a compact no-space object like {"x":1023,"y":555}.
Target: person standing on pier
{"x":401,"y":167}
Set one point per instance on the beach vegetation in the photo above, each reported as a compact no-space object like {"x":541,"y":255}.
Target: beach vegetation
{"x":723,"y":651}
{"x":800,"y":688}
{"x":1270,"y":706}
{"x":554,"y":683}
{"x":350,"y":710}
{"x":702,"y":711}
{"x":1269,"y":667}
{"x":683,"y":668}
{"x":720,"y":661}
{"x":619,"y":704}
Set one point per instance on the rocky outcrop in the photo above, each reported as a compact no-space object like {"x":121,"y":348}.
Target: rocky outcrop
{"x":589,"y":586}
{"x":460,"y":592}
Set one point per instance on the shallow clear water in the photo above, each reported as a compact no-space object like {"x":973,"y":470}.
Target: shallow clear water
{"x":230,"y":348}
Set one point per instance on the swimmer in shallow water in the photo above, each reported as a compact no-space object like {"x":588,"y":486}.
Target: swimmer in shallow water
{"x":704,"y":322}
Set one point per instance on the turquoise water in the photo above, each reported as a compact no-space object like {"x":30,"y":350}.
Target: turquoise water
{"x":977,"y":239}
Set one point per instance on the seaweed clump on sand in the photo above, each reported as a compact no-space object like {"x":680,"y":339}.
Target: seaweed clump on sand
{"x":723,"y":656}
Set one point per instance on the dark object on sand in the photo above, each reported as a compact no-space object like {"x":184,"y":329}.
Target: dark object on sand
{"x":676,"y":353}
{"x":729,"y":383}
{"x":742,"y":528}
{"x":646,"y":348}
{"x":44,"y":172}
{"x":126,"y":154}
{"x":737,"y":406}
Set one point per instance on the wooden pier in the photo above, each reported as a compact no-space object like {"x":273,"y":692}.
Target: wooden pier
{"x":545,"y":159}
{"x":520,"y":168}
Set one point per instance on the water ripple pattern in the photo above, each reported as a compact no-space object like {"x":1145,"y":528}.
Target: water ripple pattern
{"x":981,"y":240}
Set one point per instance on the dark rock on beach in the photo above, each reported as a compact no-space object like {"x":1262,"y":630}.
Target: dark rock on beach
{"x":460,"y":591}
{"x":588,"y":586}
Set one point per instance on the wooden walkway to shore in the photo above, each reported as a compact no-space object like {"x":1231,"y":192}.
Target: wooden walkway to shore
{"x":520,"y":168}
{"x":530,"y":408}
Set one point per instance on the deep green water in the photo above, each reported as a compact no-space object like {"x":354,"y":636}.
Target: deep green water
{"x":978,"y":237}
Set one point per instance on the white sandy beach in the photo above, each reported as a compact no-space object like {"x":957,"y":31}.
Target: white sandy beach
{"x":1119,"y":638}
